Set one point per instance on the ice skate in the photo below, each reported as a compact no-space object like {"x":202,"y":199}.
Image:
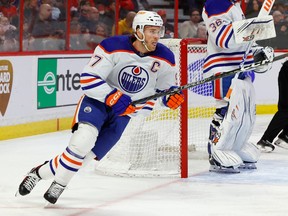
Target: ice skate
{"x":54,"y":192}
{"x":248,"y":166}
{"x":265,"y":146}
{"x":30,"y":181}
{"x":282,"y":141}
{"x":221,"y":169}
{"x":216,"y":167}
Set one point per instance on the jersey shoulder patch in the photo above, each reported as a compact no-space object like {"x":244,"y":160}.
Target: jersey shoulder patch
{"x":217,"y":7}
{"x":164,"y":53}
{"x":116,"y":43}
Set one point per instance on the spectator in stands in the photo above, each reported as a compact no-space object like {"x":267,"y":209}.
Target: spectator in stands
{"x":55,"y":15}
{"x":202,"y":31}
{"x":5,"y":24}
{"x":189,"y":5}
{"x":7,"y":9}
{"x":93,"y":19}
{"x":108,"y":16}
{"x":27,"y":43}
{"x":75,"y":32}
{"x":126,"y":6}
{"x":84,"y":11}
{"x":188,"y":29}
{"x":31,"y":10}
{"x":169,"y":28}
{"x":143,"y":5}
{"x":253,"y":8}
{"x":100,"y":34}
{"x":45,"y":28}
{"x":11,"y":41}
{"x":281,"y":27}
{"x":125,"y":25}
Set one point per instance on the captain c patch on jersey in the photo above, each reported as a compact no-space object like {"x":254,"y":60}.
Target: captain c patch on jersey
{"x":133,"y":78}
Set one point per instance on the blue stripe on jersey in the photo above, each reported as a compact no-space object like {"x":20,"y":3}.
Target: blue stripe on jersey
{"x":67,"y":167}
{"x":123,"y":43}
{"x":74,"y":154}
{"x":225,"y":65}
{"x":219,"y":34}
{"x":51,"y":166}
{"x":215,"y":7}
{"x":147,"y":108}
{"x":93,"y":86}
{"x":225,"y":54}
{"x":228,"y":39}
{"x":90,"y":75}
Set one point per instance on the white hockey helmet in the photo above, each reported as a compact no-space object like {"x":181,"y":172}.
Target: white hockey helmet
{"x":147,"y":18}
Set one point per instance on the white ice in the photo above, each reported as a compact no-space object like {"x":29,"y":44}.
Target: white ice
{"x":259,"y":192}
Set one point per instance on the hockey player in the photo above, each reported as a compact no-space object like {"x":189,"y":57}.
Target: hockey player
{"x":234,"y":118}
{"x":122,"y":69}
{"x":279,"y":121}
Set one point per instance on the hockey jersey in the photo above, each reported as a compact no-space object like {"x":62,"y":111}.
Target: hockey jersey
{"x":116,"y":64}
{"x":223,"y":54}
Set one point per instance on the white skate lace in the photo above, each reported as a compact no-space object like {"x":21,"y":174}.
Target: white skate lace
{"x":31,"y":181}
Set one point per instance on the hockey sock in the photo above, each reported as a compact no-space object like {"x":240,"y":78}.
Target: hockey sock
{"x":47,"y":171}
{"x":69,"y":163}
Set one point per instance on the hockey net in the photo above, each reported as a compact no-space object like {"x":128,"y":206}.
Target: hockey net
{"x":162,"y":143}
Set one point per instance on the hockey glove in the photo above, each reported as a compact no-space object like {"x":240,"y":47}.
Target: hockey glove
{"x":174,"y":100}
{"x":266,"y":53}
{"x":120,"y":103}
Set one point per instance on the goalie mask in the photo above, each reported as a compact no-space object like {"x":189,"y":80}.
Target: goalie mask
{"x":147,"y":18}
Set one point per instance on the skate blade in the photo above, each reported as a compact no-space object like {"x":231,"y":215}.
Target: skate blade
{"x":48,"y":205}
{"x":248,"y":167}
{"x":281,"y":144}
{"x":17,"y":194}
{"x":224,"y":170}
{"x":265,"y":149}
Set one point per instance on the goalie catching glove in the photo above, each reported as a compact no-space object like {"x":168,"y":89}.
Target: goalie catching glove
{"x":120,"y":103}
{"x":265,"y":53}
{"x":173,"y":101}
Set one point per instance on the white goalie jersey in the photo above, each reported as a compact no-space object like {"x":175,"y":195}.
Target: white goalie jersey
{"x":223,"y":54}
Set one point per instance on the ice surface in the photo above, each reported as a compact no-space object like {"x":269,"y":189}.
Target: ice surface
{"x":258,"y":192}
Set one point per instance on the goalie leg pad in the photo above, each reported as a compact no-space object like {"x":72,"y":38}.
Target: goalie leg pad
{"x":225,"y":159}
{"x":249,"y":153}
{"x":239,"y":120}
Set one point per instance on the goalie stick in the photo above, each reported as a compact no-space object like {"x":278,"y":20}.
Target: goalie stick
{"x":209,"y":79}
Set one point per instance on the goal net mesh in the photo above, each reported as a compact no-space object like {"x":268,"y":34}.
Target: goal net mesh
{"x":153,"y":145}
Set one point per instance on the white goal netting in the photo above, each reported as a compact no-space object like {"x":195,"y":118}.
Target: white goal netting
{"x":159,"y":145}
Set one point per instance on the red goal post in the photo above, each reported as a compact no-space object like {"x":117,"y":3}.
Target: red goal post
{"x":162,"y":143}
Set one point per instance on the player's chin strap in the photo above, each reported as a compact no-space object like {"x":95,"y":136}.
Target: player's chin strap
{"x":142,"y":40}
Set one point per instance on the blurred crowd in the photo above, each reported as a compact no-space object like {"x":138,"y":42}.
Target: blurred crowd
{"x":44,"y":25}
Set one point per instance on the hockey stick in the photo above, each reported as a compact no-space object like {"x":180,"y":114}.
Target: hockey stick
{"x":264,"y":11}
{"x":209,"y":79}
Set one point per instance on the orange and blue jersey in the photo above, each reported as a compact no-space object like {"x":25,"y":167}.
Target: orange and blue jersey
{"x":116,"y":64}
{"x":223,"y":54}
